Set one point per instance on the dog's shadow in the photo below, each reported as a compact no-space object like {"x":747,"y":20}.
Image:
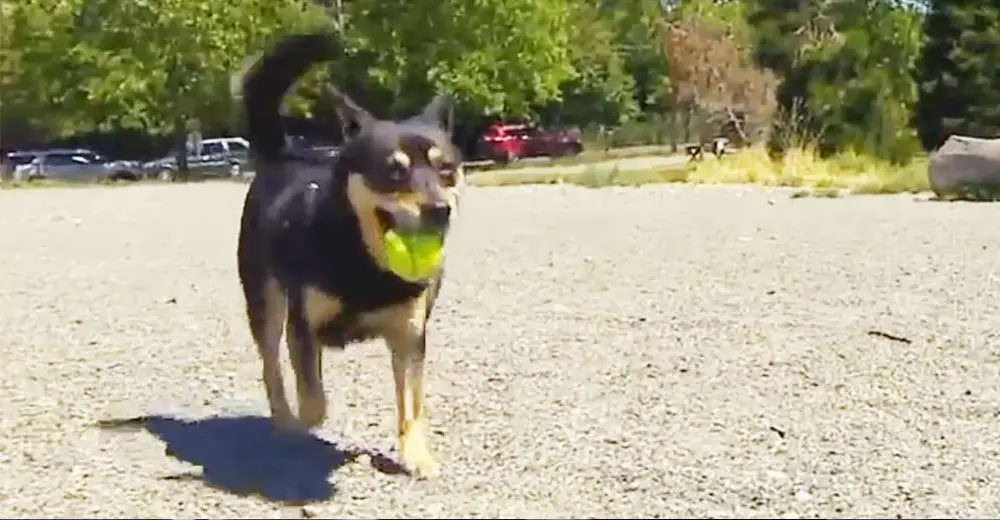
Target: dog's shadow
{"x":245,"y":455}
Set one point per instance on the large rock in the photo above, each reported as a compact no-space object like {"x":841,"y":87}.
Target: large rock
{"x":966,"y":167}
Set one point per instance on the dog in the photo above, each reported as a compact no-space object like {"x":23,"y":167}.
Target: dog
{"x":310,"y":254}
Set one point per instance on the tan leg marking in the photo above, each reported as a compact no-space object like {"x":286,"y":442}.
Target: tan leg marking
{"x":403,"y":328}
{"x":269,"y":348}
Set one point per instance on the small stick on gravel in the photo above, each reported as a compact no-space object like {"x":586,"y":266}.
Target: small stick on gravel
{"x":886,"y":335}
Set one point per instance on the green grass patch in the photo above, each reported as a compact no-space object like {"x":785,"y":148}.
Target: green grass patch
{"x":803,"y":168}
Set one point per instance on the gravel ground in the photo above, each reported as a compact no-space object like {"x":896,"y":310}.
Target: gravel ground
{"x":637,"y":352}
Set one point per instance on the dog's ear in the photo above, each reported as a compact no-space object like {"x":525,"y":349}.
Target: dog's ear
{"x":349,"y":111}
{"x":437,"y":112}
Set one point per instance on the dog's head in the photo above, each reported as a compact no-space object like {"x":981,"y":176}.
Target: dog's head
{"x":401,"y":175}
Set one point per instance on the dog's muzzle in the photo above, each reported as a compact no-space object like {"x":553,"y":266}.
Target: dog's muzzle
{"x":433,"y":218}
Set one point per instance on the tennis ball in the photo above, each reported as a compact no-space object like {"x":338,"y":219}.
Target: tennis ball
{"x":412,"y":256}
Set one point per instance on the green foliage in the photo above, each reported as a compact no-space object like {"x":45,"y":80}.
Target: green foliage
{"x":72,"y":66}
{"x":959,"y":84}
{"x":85,"y":64}
{"x":840,"y":63}
{"x":731,"y":13}
{"x":600,"y":88}
{"x":494,"y":56}
{"x":862,"y":99}
{"x":636,"y":26}
{"x":78,"y":65}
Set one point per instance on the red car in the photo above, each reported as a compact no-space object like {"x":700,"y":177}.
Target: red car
{"x":506,"y":142}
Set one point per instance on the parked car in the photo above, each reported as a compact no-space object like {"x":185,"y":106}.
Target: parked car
{"x":15,"y":165}
{"x":76,"y":164}
{"x":506,"y":142}
{"x":217,"y":157}
{"x":311,"y":147}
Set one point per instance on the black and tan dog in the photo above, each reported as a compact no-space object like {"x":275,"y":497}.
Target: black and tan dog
{"x":310,"y":247}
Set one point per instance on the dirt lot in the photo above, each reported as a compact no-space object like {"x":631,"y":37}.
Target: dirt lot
{"x":621,"y":352}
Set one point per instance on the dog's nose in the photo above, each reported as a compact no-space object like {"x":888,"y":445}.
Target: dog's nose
{"x":435,"y":215}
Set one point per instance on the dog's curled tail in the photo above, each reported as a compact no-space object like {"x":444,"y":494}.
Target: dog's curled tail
{"x":267,"y":78}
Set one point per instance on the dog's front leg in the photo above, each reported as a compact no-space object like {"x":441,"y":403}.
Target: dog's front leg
{"x":407,"y":344}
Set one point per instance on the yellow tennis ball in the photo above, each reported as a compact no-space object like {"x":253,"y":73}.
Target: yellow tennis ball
{"x":412,"y":257}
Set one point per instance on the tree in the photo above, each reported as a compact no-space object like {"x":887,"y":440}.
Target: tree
{"x":493,"y":57}
{"x":710,"y":68}
{"x":600,"y":88}
{"x":857,"y":93}
{"x":77,"y":65}
{"x":636,"y":28}
{"x":839,"y":64}
{"x":31,"y":33}
{"x":959,"y":85}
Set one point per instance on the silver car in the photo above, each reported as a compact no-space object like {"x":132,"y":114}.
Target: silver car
{"x":71,"y":164}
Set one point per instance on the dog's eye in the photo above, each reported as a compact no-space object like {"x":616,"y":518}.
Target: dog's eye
{"x":435,"y":156}
{"x":399,"y":166}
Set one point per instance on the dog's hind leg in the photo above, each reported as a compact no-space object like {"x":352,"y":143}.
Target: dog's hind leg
{"x":305,"y":313}
{"x":407,"y":342}
{"x":266,"y":309}
{"x":307,"y":361}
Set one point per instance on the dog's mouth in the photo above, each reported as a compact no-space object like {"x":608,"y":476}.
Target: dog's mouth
{"x":435,"y":221}
{"x":385,"y":219}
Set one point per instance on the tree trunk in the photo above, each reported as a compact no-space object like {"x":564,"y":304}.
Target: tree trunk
{"x":738,"y":126}
{"x":181,"y":151}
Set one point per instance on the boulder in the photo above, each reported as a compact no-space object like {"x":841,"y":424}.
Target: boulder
{"x":966,"y":167}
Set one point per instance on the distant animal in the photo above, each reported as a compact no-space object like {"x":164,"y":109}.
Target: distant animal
{"x":312,"y":253}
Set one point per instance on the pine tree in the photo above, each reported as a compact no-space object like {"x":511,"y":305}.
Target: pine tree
{"x":958,"y":71}
{"x":839,"y":62}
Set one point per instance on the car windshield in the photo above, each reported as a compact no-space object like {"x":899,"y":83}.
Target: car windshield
{"x":91,"y":157}
{"x":212,"y":148}
{"x":87,"y":158}
{"x":520,"y":132}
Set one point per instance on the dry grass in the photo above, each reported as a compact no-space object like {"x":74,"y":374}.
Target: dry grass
{"x":847,"y":172}
{"x":804,"y":168}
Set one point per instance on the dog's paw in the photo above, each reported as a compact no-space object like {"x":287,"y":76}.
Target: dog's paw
{"x":288,"y":424}
{"x":312,"y":410}
{"x":415,"y":453}
{"x":420,"y":465}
